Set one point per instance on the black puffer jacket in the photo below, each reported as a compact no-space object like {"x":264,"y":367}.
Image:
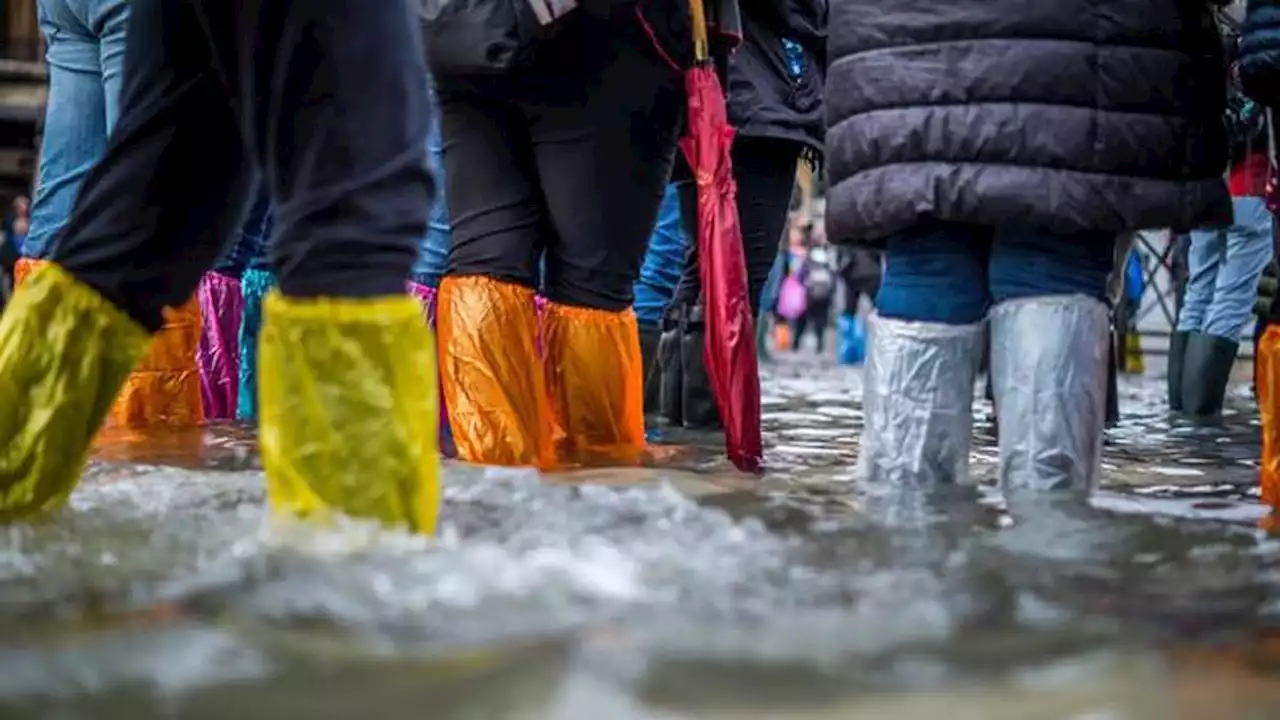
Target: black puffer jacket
{"x":1068,"y":116}
{"x":1260,"y":52}
{"x":765,"y":98}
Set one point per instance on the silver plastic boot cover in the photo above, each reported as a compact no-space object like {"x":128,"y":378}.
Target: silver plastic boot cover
{"x":1049,"y":374}
{"x":917,"y":399}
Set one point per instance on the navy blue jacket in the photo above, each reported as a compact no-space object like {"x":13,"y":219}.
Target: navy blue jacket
{"x":1260,"y":52}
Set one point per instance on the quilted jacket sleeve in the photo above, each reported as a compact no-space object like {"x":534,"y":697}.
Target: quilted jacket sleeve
{"x":1260,"y":52}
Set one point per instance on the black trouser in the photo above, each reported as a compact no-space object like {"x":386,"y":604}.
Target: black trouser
{"x":853,"y":294}
{"x":325,"y":99}
{"x":816,"y":317}
{"x":765,"y":170}
{"x":568,"y":159}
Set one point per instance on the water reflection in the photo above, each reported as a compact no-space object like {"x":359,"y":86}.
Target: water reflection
{"x":678,"y":590}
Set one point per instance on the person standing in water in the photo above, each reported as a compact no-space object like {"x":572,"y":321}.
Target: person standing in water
{"x":996,"y":150}
{"x":215,"y":94}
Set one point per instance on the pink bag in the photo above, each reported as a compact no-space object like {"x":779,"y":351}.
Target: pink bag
{"x":792,"y":298}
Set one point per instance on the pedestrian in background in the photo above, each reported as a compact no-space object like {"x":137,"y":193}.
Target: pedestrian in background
{"x":1224,"y":264}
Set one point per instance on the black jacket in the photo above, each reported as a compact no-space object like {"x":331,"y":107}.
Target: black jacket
{"x":1260,"y":52}
{"x":765,"y":99}
{"x":1065,"y":116}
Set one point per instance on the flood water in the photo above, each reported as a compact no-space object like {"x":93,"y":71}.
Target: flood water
{"x":676,"y":592}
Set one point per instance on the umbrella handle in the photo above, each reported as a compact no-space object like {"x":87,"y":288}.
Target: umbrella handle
{"x":698,"y":14}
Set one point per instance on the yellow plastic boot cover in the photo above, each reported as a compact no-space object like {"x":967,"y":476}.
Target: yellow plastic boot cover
{"x":595,"y":378}
{"x":165,"y":387}
{"x":494,"y":391}
{"x":348,"y":409}
{"x":65,"y":351}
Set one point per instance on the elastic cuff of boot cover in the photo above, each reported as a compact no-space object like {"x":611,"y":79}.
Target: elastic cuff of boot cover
{"x":64,"y":352}
{"x":218,"y":354}
{"x":595,"y":380}
{"x":165,"y":387}
{"x":349,"y":409}
{"x":1049,"y":368}
{"x":917,"y":399}
{"x":493,"y":385}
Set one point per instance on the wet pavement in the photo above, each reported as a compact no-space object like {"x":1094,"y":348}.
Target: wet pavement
{"x":675,"y":592}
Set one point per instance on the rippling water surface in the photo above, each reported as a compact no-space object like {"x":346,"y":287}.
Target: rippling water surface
{"x":678,"y":591}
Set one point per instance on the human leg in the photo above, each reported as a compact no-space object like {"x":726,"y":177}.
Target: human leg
{"x":347,"y":381}
{"x":603,"y":164}
{"x":819,"y":317}
{"x":765,"y":172}
{"x":654,"y":290}
{"x":494,"y":391}
{"x":218,"y":353}
{"x":1206,"y":251}
{"x":1211,"y":352}
{"x":798,"y":328}
{"x":227,"y":354}
{"x":75,"y":124}
{"x":256,"y":280}
{"x":923,"y":348}
{"x":143,"y":230}
{"x":1049,"y":352}
{"x":433,"y":258}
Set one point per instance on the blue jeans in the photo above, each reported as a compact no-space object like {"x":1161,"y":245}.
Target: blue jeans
{"x":1224,"y":267}
{"x":85,"y":53}
{"x":773,"y":286}
{"x":663,"y":262}
{"x":952,"y":274}
{"x":435,"y":246}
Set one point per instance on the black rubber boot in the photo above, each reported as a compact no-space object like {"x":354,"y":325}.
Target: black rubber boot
{"x":650,"y":336}
{"x":1177,"y":353}
{"x":1206,"y":370}
{"x":698,"y":401}
{"x":669,"y":372}
{"x":762,"y":340}
{"x":1113,"y":382}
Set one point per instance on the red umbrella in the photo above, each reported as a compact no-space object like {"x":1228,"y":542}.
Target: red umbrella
{"x":730,"y":345}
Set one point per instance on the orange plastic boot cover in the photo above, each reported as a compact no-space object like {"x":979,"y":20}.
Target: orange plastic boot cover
{"x":165,"y":387}
{"x":595,"y":378}
{"x":1268,"y":382}
{"x":495,"y":395}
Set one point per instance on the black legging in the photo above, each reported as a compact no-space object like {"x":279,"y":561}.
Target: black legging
{"x":816,"y":316}
{"x":569,"y":161}
{"x":765,"y":170}
{"x":215,"y":91}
